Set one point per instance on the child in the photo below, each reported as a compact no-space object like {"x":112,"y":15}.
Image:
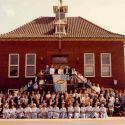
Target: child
{"x":19,"y":112}
{"x":40,"y":111}
{"x":13,"y":112}
{"x":103,"y":111}
{"x":77,"y":111}
{"x":89,"y":111}
{"x":27,"y":112}
{"x":6,"y":112}
{"x":44,"y":111}
{"x":70,"y":111}
{"x":34,"y":111}
{"x":63,"y":111}
{"x":82,"y":111}
{"x":96,"y":111}
{"x":111,"y":108}
{"x":56,"y":111}
{"x":50,"y":111}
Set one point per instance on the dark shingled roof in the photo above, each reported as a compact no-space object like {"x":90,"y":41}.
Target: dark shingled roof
{"x":76,"y":27}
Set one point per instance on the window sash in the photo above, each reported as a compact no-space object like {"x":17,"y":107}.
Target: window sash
{"x":89,"y":65}
{"x":89,"y":70}
{"x":30,"y":60}
{"x":60,"y":28}
{"x":105,"y":73}
{"x":30,"y":65}
{"x":29,"y":70}
{"x":13,"y":60}
{"x":11,"y":66}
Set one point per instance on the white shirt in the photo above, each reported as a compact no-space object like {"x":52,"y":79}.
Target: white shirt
{"x":112,"y":99}
{"x":34,"y":110}
{"x":52,"y":71}
{"x":60,"y":71}
{"x":74,"y":72}
{"x":19,"y":110}
{"x":63,"y":110}
{"x":27,"y":110}
{"x":83,"y":109}
{"x":6,"y":111}
{"x":50,"y":109}
{"x":103,"y":110}
{"x":44,"y":110}
{"x":94,"y":87}
{"x":89,"y":108}
{"x":97,"y":89}
{"x":35,"y":86}
{"x":96,"y":109}
{"x":56,"y":109}
{"x":70,"y":109}
{"x":12,"y":110}
{"x":77,"y":109}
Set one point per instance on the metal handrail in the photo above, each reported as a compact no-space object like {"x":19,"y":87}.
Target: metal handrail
{"x":82,"y":81}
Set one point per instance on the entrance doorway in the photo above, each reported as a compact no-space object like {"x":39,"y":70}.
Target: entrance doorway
{"x":60,"y":60}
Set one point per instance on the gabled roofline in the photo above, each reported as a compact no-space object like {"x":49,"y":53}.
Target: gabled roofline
{"x":29,"y":31}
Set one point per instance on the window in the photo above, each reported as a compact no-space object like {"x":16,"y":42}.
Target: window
{"x":30,"y":65}
{"x":13,"y":71}
{"x":60,"y":15}
{"x":106,"y":65}
{"x":60,"y":29}
{"x":89,"y":65}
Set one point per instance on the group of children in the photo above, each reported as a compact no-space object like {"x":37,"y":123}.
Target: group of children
{"x":33,"y":112}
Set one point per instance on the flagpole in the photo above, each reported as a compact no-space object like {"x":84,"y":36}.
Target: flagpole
{"x":60,"y":43}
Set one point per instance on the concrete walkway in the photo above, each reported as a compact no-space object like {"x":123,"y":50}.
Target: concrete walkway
{"x":108,"y":121}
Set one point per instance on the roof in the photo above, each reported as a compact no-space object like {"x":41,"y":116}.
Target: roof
{"x":76,"y":27}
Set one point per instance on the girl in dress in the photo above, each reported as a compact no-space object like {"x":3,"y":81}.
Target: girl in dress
{"x":63,"y":111}
{"x":6,"y":112}
{"x":103,"y":111}
{"x":50,"y":111}
{"x":96,"y":111}
{"x":77,"y":111}
{"x":56,"y":111}
{"x":13,"y":112}
{"x":40,"y":111}
{"x":27,"y":112}
{"x":111,"y":108}
{"x":82,"y":111}
{"x":70,"y":111}
{"x":19,"y":112}
{"x":34,"y":110}
{"x":89,"y":111}
{"x":44,"y":111}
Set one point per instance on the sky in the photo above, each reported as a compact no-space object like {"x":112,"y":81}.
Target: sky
{"x":109,"y":14}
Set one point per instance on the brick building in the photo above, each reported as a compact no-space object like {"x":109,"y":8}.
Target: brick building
{"x":73,"y":41}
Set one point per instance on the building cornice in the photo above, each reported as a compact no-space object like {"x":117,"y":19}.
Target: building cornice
{"x":62,"y":39}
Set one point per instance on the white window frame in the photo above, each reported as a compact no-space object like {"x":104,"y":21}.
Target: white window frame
{"x":106,"y":64}
{"x":60,"y":32}
{"x":89,"y":64}
{"x":29,"y":65}
{"x":9,"y":65}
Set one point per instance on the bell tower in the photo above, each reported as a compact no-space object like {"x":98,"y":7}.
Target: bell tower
{"x":60,"y":18}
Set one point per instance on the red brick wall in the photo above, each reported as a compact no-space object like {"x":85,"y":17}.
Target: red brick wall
{"x":70,"y":48}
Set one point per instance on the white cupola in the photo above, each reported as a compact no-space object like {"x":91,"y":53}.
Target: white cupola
{"x":60,"y":18}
